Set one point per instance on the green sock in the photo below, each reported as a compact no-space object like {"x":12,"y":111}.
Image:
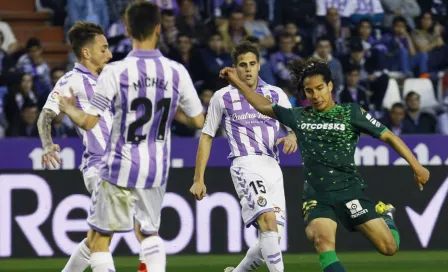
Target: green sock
{"x":329,"y":262}
{"x":393,"y":228}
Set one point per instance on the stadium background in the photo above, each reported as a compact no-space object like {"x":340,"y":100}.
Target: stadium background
{"x":42,"y":212}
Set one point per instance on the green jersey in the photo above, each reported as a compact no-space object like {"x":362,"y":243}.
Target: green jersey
{"x":327,"y":142}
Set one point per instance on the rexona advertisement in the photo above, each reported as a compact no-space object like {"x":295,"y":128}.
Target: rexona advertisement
{"x":42,"y":213}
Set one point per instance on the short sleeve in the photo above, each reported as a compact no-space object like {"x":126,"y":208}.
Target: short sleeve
{"x":366,"y":123}
{"x":52,"y":102}
{"x":284,"y":115}
{"x":105,"y":91}
{"x":214,"y":116}
{"x":189,"y":100}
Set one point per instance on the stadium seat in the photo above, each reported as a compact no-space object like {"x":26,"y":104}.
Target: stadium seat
{"x":392,"y":95}
{"x":424,"y":87}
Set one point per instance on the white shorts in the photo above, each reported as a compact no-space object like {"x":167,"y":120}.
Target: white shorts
{"x":114,"y":208}
{"x":90,"y":177}
{"x":258,"y":181}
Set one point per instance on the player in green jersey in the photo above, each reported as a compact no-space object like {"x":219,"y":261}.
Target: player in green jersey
{"x":328,"y":134}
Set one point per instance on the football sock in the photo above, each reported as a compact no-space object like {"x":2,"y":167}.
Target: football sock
{"x":252,"y":261}
{"x":329,"y":262}
{"x":80,"y":258}
{"x":270,"y":249}
{"x":102,"y":262}
{"x":393,"y":228}
{"x":153,"y":252}
{"x":142,"y":267}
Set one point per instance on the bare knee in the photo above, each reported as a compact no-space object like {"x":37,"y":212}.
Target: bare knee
{"x":388,"y":248}
{"x":99,"y":242}
{"x":267,"y":222}
{"x":322,"y":238}
{"x":140,"y":235}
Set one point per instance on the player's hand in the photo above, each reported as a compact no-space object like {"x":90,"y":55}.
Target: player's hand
{"x":421,"y":177}
{"x":198,"y":190}
{"x":67,"y":103}
{"x":289,"y":143}
{"x":230,"y":75}
{"x":50,"y":157}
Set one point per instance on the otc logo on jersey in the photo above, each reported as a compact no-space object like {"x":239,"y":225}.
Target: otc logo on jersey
{"x":262,"y":201}
{"x":355,"y":208}
{"x":326,"y":126}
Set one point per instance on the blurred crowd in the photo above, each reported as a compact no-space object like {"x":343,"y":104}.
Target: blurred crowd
{"x":365,"y":42}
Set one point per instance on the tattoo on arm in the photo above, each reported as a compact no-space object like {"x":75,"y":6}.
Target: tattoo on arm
{"x":44,"y":126}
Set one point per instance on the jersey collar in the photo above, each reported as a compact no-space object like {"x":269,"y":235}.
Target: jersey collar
{"x":145,"y":54}
{"x":82,"y":69}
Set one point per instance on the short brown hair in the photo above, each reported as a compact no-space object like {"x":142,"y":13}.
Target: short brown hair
{"x":142,"y":17}
{"x":83,"y":33}
{"x":243,"y":48}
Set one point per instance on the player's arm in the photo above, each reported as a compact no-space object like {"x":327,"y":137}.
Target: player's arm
{"x":49,"y":154}
{"x":191,"y":113}
{"x":366,"y":123}
{"x":81,"y":119}
{"x":192,"y":122}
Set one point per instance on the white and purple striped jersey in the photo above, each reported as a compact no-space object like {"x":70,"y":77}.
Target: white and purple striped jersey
{"x":83,"y":82}
{"x":248,"y":131}
{"x":345,"y":7}
{"x":145,"y":89}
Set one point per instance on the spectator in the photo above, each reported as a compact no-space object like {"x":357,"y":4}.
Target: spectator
{"x":169,"y":31}
{"x":345,"y":8}
{"x":365,"y":34}
{"x":270,"y":11}
{"x":56,"y":74}
{"x":401,"y":53}
{"x":33,"y":63}
{"x":167,"y":4}
{"x":265,"y":67}
{"x":394,"y":119}
{"x":408,"y":9}
{"x":302,"y":42}
{"x":428,"y":39}
{"x":18,"y":94}
{"x":6,"y":63}
{"x":281,"y":58}
{"x":323,"y":52}
{"x":190,"y":24}
{"x":56,"y":8}
{"x":223,"y":9}
{"x":26,"y":126}
{"x":416,"y":121}
{"x":9,"y":40}
{"x":234,"y":31}
{"x":301,"y":12}
{"x":257,"y":28}
{"x":442,"y":118}
{"x":333,"y":29}
{"x":60,"y":130}
{"x":353,"y":92}
{"x":186,"y":54}
{"x":437,"y":8}
{"x":214,"y":58}
{"x":93,"y":11}
{"x":116,"y":8}
{"x":369,"y":9}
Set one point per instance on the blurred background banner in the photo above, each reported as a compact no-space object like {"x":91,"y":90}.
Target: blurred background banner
{"x":42,"y":213}
{"x":25,"y":154}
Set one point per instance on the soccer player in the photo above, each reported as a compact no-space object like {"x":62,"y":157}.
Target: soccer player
{"x":144,"y":90}
{"x":328,"y":134}
{"x":255,"y":172}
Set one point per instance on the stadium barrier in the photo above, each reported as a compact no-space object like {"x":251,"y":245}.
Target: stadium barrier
{"x":42,"y":213}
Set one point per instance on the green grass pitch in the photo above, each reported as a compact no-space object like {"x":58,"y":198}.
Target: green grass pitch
{"x":418,"y":261}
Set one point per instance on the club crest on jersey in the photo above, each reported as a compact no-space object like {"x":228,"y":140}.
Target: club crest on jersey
{"x":262,"y":201}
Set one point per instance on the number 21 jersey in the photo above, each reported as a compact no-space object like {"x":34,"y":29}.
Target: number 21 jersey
{"x":144,"y":90}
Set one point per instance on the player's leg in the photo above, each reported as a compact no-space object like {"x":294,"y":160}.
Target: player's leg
{"x":320,"y":221}
{"x":382,"y":232}
{"x":142,"y":265}
{"x":111,"y":206}
{"x":147,"y":214}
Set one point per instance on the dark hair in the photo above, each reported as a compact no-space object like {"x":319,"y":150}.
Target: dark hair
{"x":183,"y":34}
{"x":236,"y":9}
{"x":352,"y":68}
{"x":168,"y":12}
{"x":399,"y":19}
{"x":243,"y":48}
{"x":28,"y":104}
{"x":411,"y":93}
{"x":303,"y":68}
{"x":142,"y":17}
{"x":32,"y":42}
{"x":323,"y":39}
{"x":213,"y":34}
{"x":55,"y":69}
{"x":364,"y":20}
{"x":284,"y":35}
{"x":252,"y":39}
{"x":355,"y":45}
{"x":397,"y":105}
{"x":83,"y":33}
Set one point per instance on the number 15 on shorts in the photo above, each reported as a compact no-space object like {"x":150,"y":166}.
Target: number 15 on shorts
{"x":258,"y":187}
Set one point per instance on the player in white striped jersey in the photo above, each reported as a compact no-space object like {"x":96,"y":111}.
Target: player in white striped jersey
{"x":255,"y":172}
{"x":145,"y":90}
{"x":92,"y":51}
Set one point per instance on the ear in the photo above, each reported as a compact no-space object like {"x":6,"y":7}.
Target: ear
{"x":128,"y":31}
{"x":157,"y":29}
{"x":330,"y":86}
{"x":85,"y":53}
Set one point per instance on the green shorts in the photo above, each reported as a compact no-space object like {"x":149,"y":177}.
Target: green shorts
{"x":348,"y":206}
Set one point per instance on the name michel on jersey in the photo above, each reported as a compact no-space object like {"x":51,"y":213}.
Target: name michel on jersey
{"x":326,"y":126}
{"x":150,"y":82}
{"x":248,"y":115}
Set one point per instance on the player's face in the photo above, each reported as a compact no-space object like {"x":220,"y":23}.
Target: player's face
{"x":247,"y":68}
{"x":318,"y":92}
{"x":100,"y":54}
